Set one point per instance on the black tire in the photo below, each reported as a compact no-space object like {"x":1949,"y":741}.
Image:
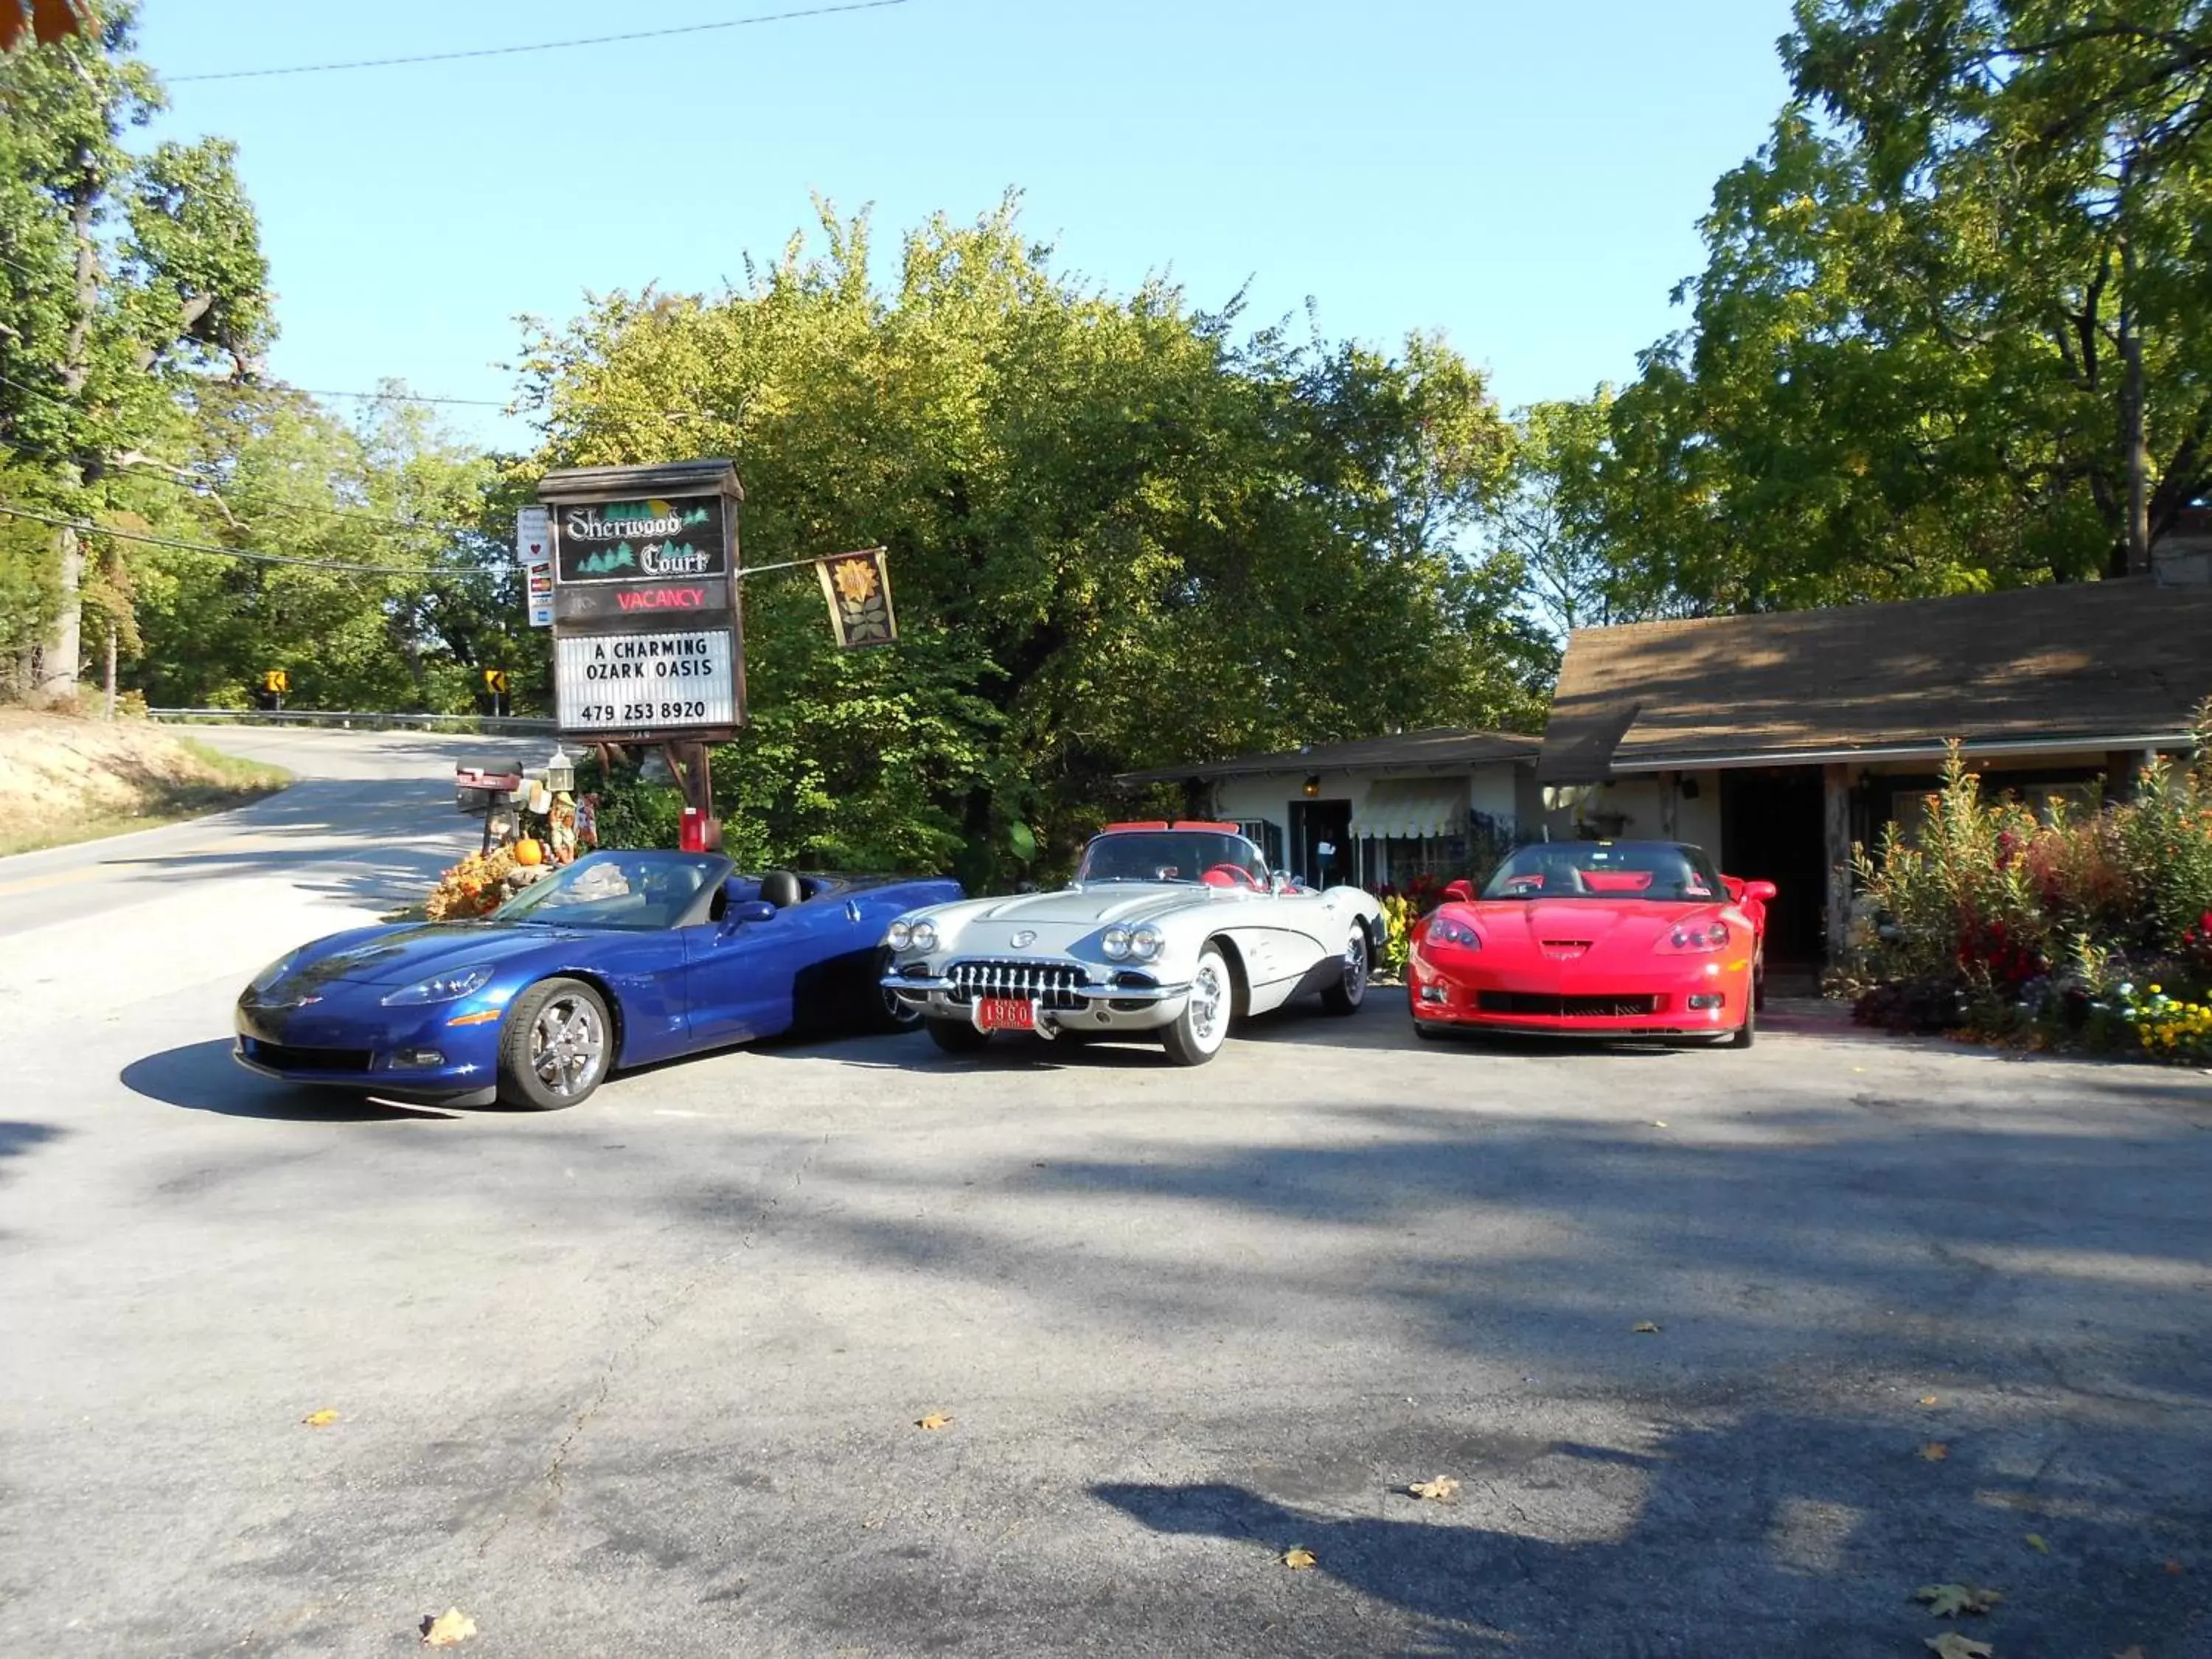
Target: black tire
{"x":1748,"y":1033}
{"x":1203,"y":1026}
{"x":557,"y":1046}
{"x":956,"y":1036}
{"x":1759,"y":982}
{"x":1351,"y":989}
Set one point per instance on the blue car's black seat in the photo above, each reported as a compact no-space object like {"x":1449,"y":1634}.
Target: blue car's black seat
{"x":781,"y":888}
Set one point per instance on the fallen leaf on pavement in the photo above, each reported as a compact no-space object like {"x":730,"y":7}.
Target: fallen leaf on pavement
{"x":1438,"y":1489}
{"x":321,"y":1419}
{"x":2175,"y":1567}
{"x":449,"y":1629}
{"x":934,"y":1421}
{"x":1658,"y":1122}
{"x":1949,"y":1601}
{"x":1927,"y":1399}
{"x":2034,"y":1541}
{"x":1952,"y":1645}
{"x":1644,"y":1327}
{"x":1935,"y":1451}
{"x":1298,"y":1558}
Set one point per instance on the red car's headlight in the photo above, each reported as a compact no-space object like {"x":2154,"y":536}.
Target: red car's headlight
{"x":1695,"y":936}
{"x":1442,"y":930}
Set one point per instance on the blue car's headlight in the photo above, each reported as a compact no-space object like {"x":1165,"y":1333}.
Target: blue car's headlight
{"x":446,"y":988}
{"x":275,"y":971}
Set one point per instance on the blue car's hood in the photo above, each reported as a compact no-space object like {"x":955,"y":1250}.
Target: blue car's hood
{"x":411,"y":951}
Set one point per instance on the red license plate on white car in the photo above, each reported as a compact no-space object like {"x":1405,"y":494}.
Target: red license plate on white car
{"x":1005,"y":1014}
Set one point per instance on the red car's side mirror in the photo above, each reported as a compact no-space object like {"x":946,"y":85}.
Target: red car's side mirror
{"x":1459,"y":891}
{"x":1760,"y":891}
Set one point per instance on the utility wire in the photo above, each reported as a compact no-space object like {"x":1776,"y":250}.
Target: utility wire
{"x":484,"y":403}
{"x":180,"y":477}
{"x":86,"y":527}
{"x":161,"y":472}
{"x":541,"y":46}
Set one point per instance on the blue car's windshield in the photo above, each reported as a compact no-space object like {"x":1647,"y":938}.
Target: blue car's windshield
{"x":639,"y":892}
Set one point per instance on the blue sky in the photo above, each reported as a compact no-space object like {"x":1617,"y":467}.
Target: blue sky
{"x":1525,"y":177}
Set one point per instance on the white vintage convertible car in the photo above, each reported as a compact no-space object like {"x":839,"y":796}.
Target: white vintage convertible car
{"x":1168,"y":930}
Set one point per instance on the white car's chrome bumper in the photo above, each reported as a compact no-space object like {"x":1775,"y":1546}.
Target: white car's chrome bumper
{"x":955,"y":990}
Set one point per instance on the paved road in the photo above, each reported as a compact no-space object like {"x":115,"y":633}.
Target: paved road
{"x":641,"y":1378}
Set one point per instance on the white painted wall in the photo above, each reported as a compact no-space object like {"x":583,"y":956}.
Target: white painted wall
{"x":1642,"y":799}
{"x":1492,"y":789}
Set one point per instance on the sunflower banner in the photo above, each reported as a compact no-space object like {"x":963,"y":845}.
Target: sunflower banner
{"x":858,"y":588}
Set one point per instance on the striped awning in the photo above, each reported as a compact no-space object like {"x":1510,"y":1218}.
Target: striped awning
{"x":1411,"y":809}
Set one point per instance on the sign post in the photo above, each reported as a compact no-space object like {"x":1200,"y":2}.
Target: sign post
{"x":648,"y":644}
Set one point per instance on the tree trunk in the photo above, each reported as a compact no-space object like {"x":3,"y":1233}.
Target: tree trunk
{"x":109,"y":713}
{"x":2134,"y":446}
{"x":59,"y":659}
{"x":65,"y":642}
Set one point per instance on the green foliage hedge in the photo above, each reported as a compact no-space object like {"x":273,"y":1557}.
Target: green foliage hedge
{"x":1996,"y":920}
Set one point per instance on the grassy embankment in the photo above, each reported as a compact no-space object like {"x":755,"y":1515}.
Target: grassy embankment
{"x":63,"y":779}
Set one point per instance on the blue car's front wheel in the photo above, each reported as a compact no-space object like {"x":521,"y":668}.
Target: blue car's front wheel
{"x":554,"y":1046}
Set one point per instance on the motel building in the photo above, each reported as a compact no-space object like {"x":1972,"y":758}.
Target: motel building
{"x":1776,"y":741}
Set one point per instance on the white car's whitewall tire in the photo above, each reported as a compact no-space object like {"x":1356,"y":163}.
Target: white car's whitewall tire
{"x":1199,"y":1030}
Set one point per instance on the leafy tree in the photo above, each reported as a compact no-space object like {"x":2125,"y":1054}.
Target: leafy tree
{"x":1949,"y":334}
{"x":1551,"y":515}
{"x":1117,"y":536}
{"x":124,"y":273}
{"x":255,"y":469}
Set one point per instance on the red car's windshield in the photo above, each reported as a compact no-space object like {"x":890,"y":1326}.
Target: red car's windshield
{"x":1169,"y":855}
{"x":1663,"y":871}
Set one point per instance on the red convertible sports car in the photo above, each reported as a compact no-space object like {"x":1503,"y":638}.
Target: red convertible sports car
{"x":1632,"y":939}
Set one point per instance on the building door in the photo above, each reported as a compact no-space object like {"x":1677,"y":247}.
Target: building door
{"x":1321,"y":841}
{"x":1771,"y":829}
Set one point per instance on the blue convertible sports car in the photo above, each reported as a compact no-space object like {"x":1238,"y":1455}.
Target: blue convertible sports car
{"x":619,"y":959}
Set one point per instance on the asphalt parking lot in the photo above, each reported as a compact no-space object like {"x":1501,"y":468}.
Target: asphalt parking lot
{"x":644,"y":1378}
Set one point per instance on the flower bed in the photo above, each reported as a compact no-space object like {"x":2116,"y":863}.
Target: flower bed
{"x":2004,"y":924}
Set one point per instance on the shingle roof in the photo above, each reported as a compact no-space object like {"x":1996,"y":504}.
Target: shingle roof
{"x":1439,"y":750}
{"x":2097,"y":661}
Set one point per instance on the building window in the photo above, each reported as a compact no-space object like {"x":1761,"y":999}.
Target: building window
{"x":1266,"y":835}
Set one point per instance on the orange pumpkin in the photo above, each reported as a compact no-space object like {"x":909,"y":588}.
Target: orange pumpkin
{"x":529,"y":852}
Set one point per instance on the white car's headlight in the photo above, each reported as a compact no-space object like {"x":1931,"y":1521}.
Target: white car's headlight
{"x":1115,"y":942}
{"x":1145,"y":943}
{"x":445,"y":987}
{"x":923,"y":936}
{"x":900,"y":934}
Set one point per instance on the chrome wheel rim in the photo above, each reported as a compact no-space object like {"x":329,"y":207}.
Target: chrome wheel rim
{"x":568,"y":1045}
{"x":1355,"y":966}
{"x":1209,"y":1009}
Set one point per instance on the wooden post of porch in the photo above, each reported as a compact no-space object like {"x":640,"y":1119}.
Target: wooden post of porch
{"x":1835,"y":834}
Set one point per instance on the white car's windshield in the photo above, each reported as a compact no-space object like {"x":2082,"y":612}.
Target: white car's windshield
{"x":1664,"y":871}
{"x":1190,"y":855}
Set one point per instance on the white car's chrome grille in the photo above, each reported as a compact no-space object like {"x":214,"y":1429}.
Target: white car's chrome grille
{"x":1050,"y":984}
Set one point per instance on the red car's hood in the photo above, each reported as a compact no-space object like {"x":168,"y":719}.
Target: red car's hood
{"x":1552,"y":926}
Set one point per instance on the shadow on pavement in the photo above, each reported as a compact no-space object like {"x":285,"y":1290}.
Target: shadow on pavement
{"x":17,"y":1138}
{"x":1767,"y":1530}
{"x":202,"y":1077}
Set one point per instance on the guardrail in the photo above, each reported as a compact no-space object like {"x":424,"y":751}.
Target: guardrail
{"x":360,"y":719}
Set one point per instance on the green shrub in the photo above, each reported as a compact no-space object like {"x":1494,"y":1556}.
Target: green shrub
{"x":2000,"y":922}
